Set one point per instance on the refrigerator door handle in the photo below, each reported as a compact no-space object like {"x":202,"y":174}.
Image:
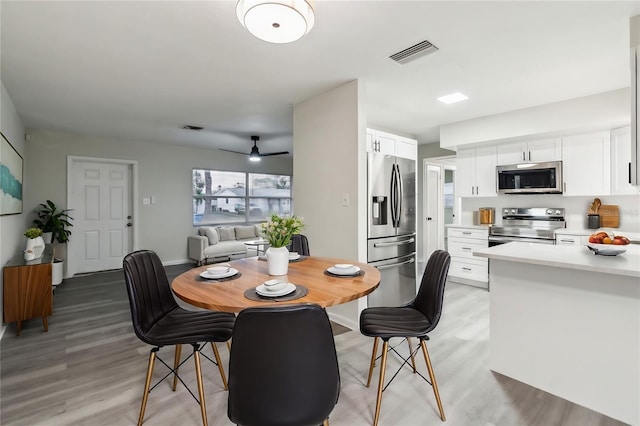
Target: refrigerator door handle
{"x":395,"y":243}
{"x":393,"y":195}
{"x":400,"y":192}
{"x":393,"y":265}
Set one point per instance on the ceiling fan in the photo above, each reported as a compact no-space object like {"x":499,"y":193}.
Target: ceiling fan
{"x":255,"y":155}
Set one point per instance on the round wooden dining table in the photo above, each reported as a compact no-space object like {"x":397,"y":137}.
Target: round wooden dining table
{"x":228,"y":296}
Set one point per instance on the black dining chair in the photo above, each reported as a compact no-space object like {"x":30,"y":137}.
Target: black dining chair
{"x":415,"y":319}
{"x":159,"y":321}
{"x":283,"y":368}
{"x":300,"y":244}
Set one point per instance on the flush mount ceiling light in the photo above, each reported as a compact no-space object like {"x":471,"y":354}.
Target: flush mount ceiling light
{"x":452,"y":98}
{"x":276,"y":21}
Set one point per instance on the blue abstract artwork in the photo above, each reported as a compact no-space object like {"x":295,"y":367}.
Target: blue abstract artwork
{"x":10,"y":178}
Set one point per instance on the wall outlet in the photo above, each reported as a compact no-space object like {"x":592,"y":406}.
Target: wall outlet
{"x":345,"y":199}
{"x":146,"y":201}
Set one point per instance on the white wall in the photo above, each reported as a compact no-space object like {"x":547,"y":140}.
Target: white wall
{"x":602,"y":111}
{"x":12,"y":227}
{"x":164,"y":171}
{"x":329,"y":135}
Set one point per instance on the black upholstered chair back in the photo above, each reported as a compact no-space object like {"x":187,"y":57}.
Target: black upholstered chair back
{"x":149,"y":292}
{"x":283,"y":368}
{"x":300,"y":244}
{"x":431,"y":293}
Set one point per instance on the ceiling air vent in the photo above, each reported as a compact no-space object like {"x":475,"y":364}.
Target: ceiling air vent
{"x":414,"y":52}
{"x":190,"y":127}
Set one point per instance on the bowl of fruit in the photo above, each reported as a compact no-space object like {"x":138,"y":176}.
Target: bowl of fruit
{"x":605,"y":244}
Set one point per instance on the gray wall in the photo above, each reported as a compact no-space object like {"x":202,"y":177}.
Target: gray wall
{"x":164,"y":171}
{"x":12,"y":227}
{"x":329,"y":145}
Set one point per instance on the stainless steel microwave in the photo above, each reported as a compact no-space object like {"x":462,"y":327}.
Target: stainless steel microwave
{"x":530,"y":178}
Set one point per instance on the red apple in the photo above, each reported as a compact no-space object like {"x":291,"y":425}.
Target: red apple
{"x":595,"y":239}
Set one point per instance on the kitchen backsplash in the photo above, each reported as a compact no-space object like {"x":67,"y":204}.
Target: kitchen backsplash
{"x":575,"y":208}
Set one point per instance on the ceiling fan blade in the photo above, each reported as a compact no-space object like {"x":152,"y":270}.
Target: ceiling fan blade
{"x":235,"y":152}
{"x":274,"y":153}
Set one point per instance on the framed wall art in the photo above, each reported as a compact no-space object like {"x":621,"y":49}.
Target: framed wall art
{"x":10,"y":178}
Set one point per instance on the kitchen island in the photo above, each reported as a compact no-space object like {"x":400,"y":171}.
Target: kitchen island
{"x":568,"y":322}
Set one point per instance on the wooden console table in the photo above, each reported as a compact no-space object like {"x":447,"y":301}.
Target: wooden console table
{"x":27,"y":290}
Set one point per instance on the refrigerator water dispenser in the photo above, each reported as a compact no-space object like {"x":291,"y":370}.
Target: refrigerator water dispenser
{"x":379,"y":210}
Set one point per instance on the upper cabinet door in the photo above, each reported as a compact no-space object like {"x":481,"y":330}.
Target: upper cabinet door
{"x":406,"y":148}
{"x":586,"y":164}
{"x":512,"y":153}
{"x":538,"y":151}
{"x":621,"y":162}
{"x":386,"y":143}
{"x":544,"y":150}
{"x":486,"y":171}
{"x":465,"y":173}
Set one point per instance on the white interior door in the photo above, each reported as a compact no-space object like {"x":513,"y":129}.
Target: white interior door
{"x":101,"y":201}
{"x":433,"y":207}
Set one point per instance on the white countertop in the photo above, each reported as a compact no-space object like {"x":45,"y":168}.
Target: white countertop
{"x":457,"y":225}
{"x":567,"y":256}
{"x":583,"y":231}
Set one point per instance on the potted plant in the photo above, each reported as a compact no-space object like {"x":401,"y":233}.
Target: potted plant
{"x":35,"y":244}
{"x":55,"y":221}
{"x":278,"y":232}
{"x":50,"y":219}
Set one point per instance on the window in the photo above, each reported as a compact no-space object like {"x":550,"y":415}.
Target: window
{"x":221,"y":197}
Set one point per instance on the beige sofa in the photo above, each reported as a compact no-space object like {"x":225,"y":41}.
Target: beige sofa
{"x":217,"y":242}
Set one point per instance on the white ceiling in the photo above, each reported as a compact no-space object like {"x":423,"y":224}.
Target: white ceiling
{"x":142,"y":70}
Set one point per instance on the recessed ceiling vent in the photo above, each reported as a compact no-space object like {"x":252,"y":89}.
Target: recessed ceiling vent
{"x":414,"y":52}
{"x":190,"y":127}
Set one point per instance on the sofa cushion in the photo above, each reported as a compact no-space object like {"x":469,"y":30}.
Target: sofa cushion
{"x":224,"y":249}
{"x":245,"y":232}
{"x":258,"y":227}
{"x":211,"y":233}
{"x":227,"y":233}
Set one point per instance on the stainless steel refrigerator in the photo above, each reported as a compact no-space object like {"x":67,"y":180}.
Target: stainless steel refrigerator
{"x":391,"y":214}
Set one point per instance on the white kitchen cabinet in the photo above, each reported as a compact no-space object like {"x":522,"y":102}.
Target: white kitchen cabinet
{"x":466,"y":268}
{"x":620,"y":162}
{"x":586,"y":163}
{"x":476,"y":172}
{"x":387,"y":143}
{"x":538,"y":151}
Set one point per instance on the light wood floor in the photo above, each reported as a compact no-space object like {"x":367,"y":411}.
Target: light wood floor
{"x":89,"y":370}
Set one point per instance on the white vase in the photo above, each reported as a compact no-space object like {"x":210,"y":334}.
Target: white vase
{"x":277,"y":260}
{"x":36,"y":245}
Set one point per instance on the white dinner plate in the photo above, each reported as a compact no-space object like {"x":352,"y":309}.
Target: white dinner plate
{"x":262,"y":290}
{"x":208,"y":276}
{"x":294,"y":256}
{"x":606,"y":249}
{"x":344,"y":271}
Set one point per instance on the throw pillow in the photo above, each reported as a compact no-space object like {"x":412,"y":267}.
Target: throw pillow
{"x":211,"y":233}
{"x":244,"y":232}
{"x":258,"y":229}
{"x":226,"y":233}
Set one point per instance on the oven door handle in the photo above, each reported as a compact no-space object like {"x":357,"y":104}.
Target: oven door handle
{"x":393,"y":265}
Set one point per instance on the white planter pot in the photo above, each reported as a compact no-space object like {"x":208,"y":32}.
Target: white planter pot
{"x":277,"y":260}
{"x":36,"y":246}
{"x":56,"y":271}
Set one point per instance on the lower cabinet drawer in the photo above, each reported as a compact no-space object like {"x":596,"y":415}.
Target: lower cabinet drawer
{"x":464,"y":247}
{"x":477,"y":270}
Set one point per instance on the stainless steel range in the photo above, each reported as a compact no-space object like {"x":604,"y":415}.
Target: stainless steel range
{"x":531,"y":224}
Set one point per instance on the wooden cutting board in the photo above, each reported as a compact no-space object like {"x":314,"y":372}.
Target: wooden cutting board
{"x":609,"y":216}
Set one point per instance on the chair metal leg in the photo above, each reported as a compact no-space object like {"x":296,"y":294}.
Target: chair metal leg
{"x":176,"y":363}
{"x":373,"y":360}
{"x":433,"y":379}
{"x":220,"y":367}
{"x":413,"y":360}
{"x":203,"y":408}
{"x":325,"y":422}
{"x":147,"y":383}
{"x":229,"y":345}
{"x":383,"y":365}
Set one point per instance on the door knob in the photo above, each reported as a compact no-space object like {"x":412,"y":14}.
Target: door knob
{"x":129,"y":224}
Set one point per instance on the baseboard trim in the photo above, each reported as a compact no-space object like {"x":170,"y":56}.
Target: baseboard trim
{"x":342,"y":320}
{"x":177,"y":262}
